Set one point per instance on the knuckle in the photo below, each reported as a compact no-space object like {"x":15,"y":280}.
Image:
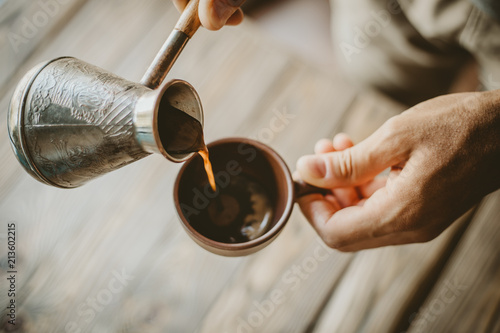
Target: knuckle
{"x":343,"y":165}
{"x":392,"y":126}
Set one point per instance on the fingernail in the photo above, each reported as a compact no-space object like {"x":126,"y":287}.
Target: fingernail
{"x":313,"y":166}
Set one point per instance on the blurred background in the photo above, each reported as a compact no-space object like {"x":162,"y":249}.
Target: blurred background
{"x":111,"y":256}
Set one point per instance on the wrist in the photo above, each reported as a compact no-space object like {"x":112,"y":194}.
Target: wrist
{"x":488,"y":133}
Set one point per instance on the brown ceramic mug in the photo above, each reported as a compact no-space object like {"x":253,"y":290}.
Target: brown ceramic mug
{"x":236,"y":162}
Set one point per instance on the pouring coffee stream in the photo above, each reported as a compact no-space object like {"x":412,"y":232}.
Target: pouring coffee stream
{"x":183,"y":134}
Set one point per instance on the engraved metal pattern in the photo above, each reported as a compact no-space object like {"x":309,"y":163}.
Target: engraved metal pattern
{"x":78,"y":122}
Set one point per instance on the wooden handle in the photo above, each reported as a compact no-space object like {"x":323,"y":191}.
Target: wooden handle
{"x":187,"y":25}
{"x":189,"y":21}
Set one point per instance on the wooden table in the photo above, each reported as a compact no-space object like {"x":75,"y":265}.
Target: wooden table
{"x":112,"y":257}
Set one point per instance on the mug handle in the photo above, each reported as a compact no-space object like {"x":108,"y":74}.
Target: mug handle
{"x":302,"y":189}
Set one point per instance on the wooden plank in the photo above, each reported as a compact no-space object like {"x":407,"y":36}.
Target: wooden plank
{"x":73,"y":243}
{"x":382,"y":287}
{"x":24,"y":26}
{"x":276,"y":291}
{"x":466,"y":298}
{"x":74,"y":40}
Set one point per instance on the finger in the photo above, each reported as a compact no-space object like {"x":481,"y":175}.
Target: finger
{"x":334,"y":201}
{"x":215,"y":13}
{"x":180,"y":4}
{"x":236,"y":18}
{"x":347,"y":196}
{"x":339,"y":198}
{"x":380,"y":220}
{"x":367,"y":190}
{"x":317,"y":211}
{"x":342,"y":141}
{"x":342,"y":227}
{"x":356,"y":165}
{"x":323,"y":146}
{"x":360,"y":224}
{"x":344,"y":196}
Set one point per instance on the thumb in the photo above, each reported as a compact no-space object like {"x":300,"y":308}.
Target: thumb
{"x":214,"y":14}
{"x":356,"y":165}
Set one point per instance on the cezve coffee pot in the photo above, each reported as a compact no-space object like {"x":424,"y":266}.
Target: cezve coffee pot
{"x":70,"y":122}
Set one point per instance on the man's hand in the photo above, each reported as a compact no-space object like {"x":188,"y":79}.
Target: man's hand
{"x":214,"y":14}
{"x":444,"y":156}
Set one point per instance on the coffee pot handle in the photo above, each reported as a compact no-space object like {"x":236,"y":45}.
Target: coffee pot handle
{"x":186,"y":26}
{"x":302,"y":189}
{"x":189,"y":22}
